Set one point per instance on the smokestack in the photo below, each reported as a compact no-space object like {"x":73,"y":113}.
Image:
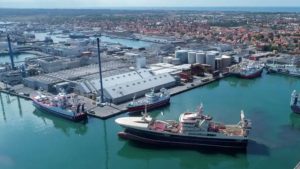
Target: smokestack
{"x":100,"y":70}
{"x":10,"y":53}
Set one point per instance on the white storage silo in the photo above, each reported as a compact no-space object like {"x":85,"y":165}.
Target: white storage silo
{"x":191,"y":57}
{"x":182,"y":55}
{"x":200,"y":57}
{"x":210,"y":58}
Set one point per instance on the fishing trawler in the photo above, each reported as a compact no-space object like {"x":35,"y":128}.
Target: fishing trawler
{"x":61,"y":105}
{"x":250,"y":71}
{"x":194,"y":129}
{"x":247,"y":69}
{"x":295,"y":103}
{"x":152,"y":100}
{"x":286,"y":69}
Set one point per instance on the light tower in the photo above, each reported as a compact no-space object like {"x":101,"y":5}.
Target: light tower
{"x":100,"y":71}
{"x":10,"y":53}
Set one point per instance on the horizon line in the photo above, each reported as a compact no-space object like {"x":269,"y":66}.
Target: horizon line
{"x":149,"y":7}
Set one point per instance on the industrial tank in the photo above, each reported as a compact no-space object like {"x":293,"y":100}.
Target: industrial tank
{"x":210,"y":58}
{"x":200,"y":57}
{"x":191,"y":57}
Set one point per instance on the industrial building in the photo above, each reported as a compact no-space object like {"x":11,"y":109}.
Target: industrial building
{"x":124,"y":87}
{"x":47,"y":81}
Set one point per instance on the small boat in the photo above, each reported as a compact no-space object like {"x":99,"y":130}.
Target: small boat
{"x":194,"y":129}
{"x":152,"y":100}
{"x":295,"y":104}
{"x":61,"y":105}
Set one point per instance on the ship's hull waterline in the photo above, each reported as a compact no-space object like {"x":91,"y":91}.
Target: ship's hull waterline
{"x":60,"y":113}
{"x":169,"y":140}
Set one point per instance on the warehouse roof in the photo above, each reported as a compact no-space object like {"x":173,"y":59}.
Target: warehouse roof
{"x":132,"y":87}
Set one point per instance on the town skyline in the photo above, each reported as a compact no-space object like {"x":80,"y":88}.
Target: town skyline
{"x":144,"y":3}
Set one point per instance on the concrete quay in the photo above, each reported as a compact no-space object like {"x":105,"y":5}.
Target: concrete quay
{"x":111,"y":110}
{"x":108,"y":110}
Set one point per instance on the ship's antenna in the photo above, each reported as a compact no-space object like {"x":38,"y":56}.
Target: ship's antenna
{"x":242,"y":115}
{"x":145,"y":114}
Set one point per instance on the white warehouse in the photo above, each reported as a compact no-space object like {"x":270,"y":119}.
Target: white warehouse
{"x":124,"y":87}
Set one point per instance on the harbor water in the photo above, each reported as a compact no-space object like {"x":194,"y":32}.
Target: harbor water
{"x":30,"y":139}
{"x":126,"y":42}
{"x":18,"y":58}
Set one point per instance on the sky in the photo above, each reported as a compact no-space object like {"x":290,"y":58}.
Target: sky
{"x":144,"y":3}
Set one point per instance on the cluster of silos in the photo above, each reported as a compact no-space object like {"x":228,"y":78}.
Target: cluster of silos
{"x":190,"y":56}
{"x":211,"y":58}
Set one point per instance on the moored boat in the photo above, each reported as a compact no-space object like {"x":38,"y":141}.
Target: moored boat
{"x":152,"y":100}
{"x":288,"y":69}
{"x":61,"y":105}
{"x":194,"y":129}
{"x":250,"y":72}
{"x":295,"y":104}
{"x":285,"y":69}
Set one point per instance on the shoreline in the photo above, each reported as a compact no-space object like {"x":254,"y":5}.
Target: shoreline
{"x":112,"y":110}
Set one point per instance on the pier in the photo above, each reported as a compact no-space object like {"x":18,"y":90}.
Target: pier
{"x":107,"y":110}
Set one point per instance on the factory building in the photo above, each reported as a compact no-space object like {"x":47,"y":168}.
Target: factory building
{"x":124,"y":87}
{"x":11,"y":77}
{"x":47,"y":81}
{"x":54,"y":64}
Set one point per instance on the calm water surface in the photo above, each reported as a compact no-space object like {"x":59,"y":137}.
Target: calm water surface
{"x":126,"y":42}
{"x":18,"y":59}
{"x":30,"y":139}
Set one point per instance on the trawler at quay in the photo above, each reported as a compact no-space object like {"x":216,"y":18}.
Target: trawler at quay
{"x":286,"y":69}
{"x":61,"y":105}
{"x":152,"y":100}
{"x":194,"y":129}
{"x":248,"y":70}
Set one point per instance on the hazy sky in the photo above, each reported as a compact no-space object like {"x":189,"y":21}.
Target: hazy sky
{"x":141,"y":3}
